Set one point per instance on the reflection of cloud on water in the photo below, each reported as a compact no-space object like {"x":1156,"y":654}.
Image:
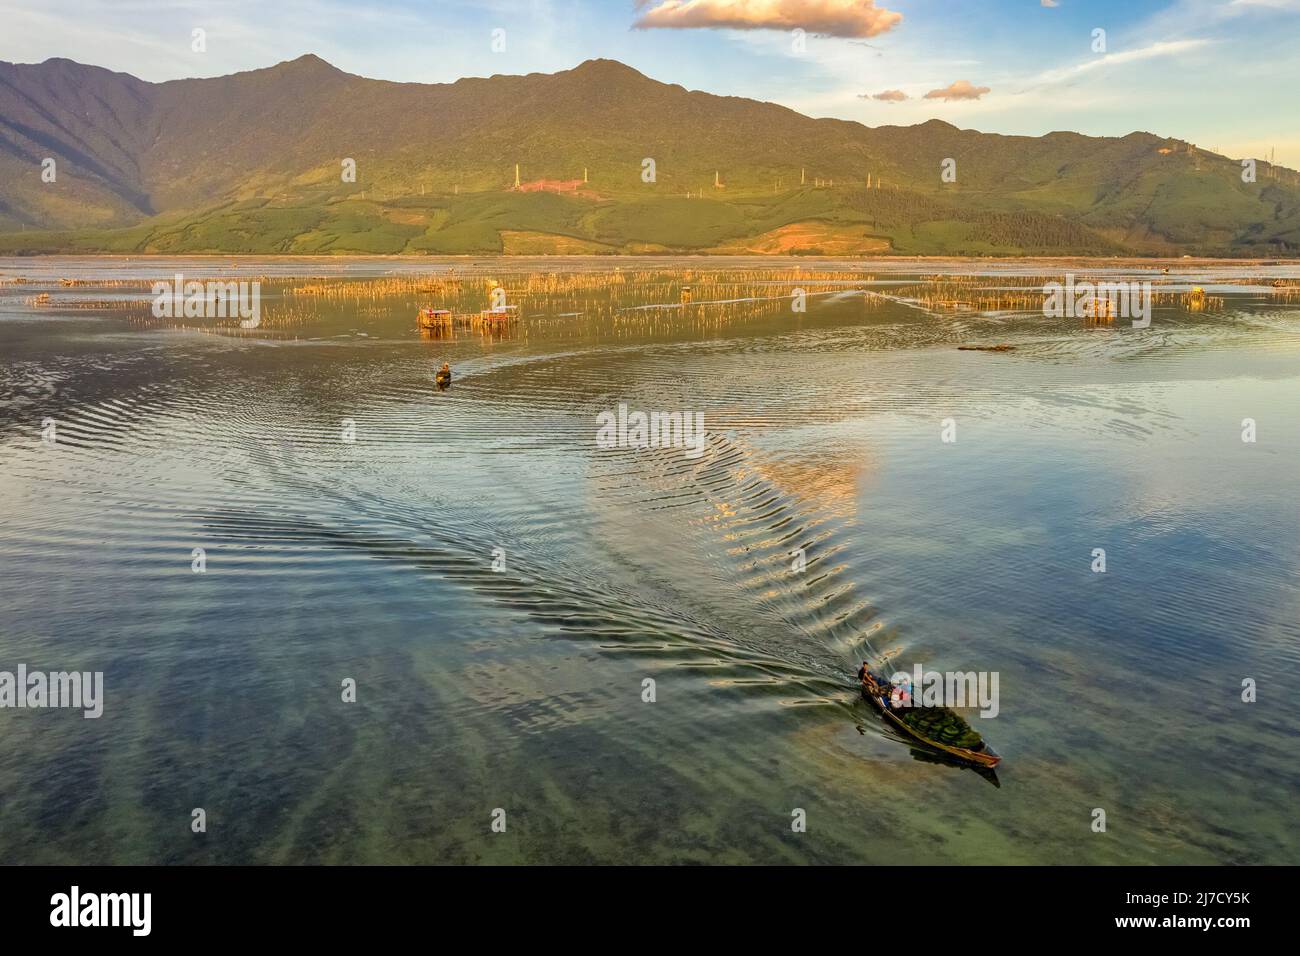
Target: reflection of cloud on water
{"x":828,"y":485}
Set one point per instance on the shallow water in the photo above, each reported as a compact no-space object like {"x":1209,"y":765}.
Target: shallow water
{"x":522,"y":689}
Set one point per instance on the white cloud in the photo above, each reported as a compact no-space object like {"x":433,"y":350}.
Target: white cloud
{"x":1273,"y":4}
{"x":958,"y":90}
{"x":1160,"y":48}
{"x":840,"y":18}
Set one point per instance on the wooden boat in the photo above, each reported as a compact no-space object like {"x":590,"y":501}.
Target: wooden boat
{"x":877,"y":691}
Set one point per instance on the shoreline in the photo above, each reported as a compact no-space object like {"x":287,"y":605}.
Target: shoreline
{"x":656,"y":257}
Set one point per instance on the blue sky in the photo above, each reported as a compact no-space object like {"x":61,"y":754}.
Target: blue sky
{"x":1221,"y":73}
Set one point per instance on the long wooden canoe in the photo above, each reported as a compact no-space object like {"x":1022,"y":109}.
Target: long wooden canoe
{"x":878,"y":693}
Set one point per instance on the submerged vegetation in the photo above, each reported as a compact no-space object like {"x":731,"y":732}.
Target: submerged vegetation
{"x":618,"y":302}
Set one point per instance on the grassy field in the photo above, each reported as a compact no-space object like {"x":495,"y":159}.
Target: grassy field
{"x":256,"y":163}
{"x":806,"y":221}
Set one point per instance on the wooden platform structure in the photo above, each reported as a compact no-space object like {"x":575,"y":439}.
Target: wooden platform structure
{"x":1099,"y":310}
{"x":502,"y":313}
{"x":431,"y":319}
{"x":438,"y":321}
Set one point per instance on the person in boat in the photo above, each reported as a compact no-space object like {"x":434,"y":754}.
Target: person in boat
{"x":901,"y":698}
{"x":879,"y":688}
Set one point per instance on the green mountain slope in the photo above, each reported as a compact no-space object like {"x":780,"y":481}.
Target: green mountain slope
{"x":252,"y":163}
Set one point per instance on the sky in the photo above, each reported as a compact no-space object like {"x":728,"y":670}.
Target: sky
{"x":1224,"y":74}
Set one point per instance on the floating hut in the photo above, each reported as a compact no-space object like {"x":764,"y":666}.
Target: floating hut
{"x":431,"y":319}
{"x":502,"y":313}
{"x":1098,"y":310}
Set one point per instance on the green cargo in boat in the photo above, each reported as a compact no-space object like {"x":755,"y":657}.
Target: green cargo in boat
{"x":936,"y":727}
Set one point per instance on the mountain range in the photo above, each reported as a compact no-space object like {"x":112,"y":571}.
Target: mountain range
{"x":259,"y":162}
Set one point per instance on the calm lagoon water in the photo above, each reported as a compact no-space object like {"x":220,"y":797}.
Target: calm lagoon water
{"x":522,"y":689}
